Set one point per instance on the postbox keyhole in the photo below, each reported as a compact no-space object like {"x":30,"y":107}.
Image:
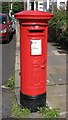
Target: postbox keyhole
{"x":31,"y":42}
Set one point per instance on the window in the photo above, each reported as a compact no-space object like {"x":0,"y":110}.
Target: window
{"x":3,"y":19}
{"x":36,"y":5}
{"x":62,"y":5}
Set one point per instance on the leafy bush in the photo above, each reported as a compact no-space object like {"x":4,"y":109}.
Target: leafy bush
{"x":49,"y":113}
{"x":58,"y":27}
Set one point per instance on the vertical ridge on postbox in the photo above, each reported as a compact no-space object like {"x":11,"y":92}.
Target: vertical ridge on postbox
{"x":33,"y":57}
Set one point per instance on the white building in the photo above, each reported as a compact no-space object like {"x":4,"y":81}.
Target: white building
{"x":61,"y":4}
{"x":47,"y":5}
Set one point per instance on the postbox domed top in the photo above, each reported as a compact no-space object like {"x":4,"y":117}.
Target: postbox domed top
{"x":30,"y":15}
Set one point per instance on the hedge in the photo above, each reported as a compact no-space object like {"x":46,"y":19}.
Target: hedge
{"x":58,"y":29}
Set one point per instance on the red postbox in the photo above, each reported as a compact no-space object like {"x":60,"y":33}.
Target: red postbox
{"x":33,"y":57}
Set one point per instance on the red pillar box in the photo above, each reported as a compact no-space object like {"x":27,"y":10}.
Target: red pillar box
{"x":33,"y":57}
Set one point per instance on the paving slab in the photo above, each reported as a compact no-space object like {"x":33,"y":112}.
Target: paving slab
{"x":56,"y":60}
{"x":56,"y":97}
{"x":59,"y":79}
{"x":51,"y":69}
{"x":58,"y":74}
{"x":6,"y":103}
{"x":50,"y":81}
{"x":35,"y":115}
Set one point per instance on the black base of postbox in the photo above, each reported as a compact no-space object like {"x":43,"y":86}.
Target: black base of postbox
{"x":33,"y":102}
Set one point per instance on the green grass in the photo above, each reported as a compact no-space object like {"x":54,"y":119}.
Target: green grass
{"x":19,"y":112}
{"x":11,"y":83}
{"x":49,"y":113}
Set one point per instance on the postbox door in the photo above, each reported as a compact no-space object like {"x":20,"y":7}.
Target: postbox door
{"x":38,"y":64}
{"x":33,"y":61}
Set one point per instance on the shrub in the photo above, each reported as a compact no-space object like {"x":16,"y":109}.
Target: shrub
{"x":58,"y":27}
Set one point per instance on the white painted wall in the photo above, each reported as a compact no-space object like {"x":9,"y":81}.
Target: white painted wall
{"x":40,"y":7}
{"x":58,"y":3}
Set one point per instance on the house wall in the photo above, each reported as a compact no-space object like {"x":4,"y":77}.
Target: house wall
{"x":47,"y":3}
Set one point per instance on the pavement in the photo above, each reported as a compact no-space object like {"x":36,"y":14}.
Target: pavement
{"x":7,"y":69}
{"x":57,"y":82}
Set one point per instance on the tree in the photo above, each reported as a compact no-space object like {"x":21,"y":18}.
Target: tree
{"x":5,"y":7}
{"x":17,"y":7}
